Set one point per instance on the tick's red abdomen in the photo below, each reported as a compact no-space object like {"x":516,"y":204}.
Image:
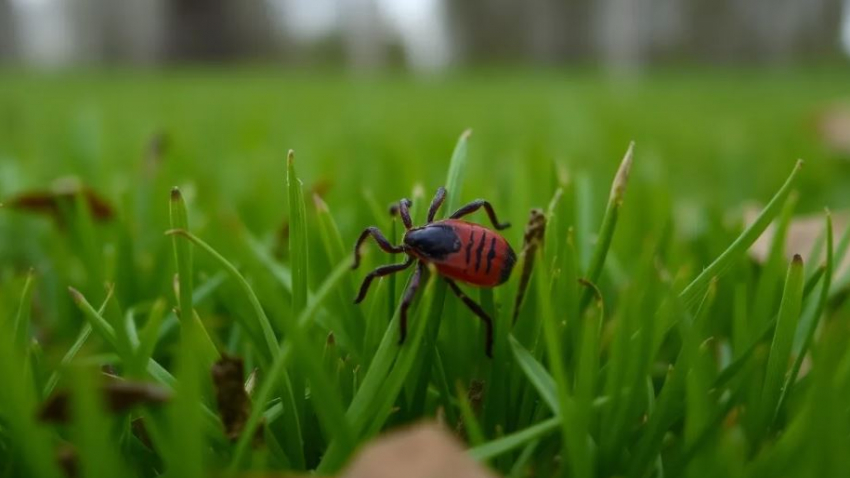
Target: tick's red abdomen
{"x":485,"y":258}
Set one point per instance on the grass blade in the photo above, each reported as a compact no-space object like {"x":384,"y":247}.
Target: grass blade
{"x":21,"y":327}
{"x":268,"y":344}
{"x":31,"y":450}
{"x":182,"y":253}
{"x":609,"y":223}
{"x":386,"y":376}
{"x":352,"y":320}
{"x":72,"y":352}
{"x":771,"y":277}
{"x":470,"y":422}
{"x":97,"y":450}
{"x":150,"y":332}
{"x":98,"y":323}
{"x":780,"y":348}
{"x":297,"y":237}
{"x":264,"y":394}
{"x":515,"y":440}
{"x":185,"y":456}
{"x":536,"y":374}
{"x":583,"y":457}
{"x":457,"y":170}
{"x":695,"y":289}
{"x":183,"y":259}
{"x":809,"y":322}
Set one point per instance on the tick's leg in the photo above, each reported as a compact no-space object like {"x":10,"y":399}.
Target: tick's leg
{"x":436,"y":203}
{"x":380,"y":272}
{"x":476,"y":205}
{"x":382,"y":241}
{"x":403,"y":210}
{"x":479,"y":312}
{"x":407,"y":299}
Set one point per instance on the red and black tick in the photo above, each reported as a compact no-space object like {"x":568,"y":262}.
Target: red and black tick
{"x":459,"y":250}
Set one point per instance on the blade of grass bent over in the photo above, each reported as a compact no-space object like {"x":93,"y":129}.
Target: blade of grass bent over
{"x":72,"y":352}
{"x":536,"y":374}
{"x":156,"y":371}
{"x":268,"y":346}
{"x":507,"y":443}
{"x":772,"y":274}
{"x":693,"y":290}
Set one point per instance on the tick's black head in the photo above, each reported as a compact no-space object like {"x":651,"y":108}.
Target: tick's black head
{"x":434,"y":241}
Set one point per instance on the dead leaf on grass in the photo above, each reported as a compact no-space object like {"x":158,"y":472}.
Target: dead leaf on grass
{"x":421,"y":451}
{"x":62,"y":194}
{"x":833,"y":127}
{"x":119,"y":396}
{"x":234,"y":405}
{"x":803,"y":233}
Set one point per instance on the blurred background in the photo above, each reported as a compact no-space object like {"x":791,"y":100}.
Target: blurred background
{"x":130,"y":98}
{"x":422,"y":35}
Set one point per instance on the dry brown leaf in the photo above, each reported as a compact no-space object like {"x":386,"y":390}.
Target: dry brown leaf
{"x":535,"y":230}
{"x":66,"y":458}
{"x":49,"y":202}
{"x":234,"y":405}
{"x":475,"y":397}
{"x":803,"y":233}
{"x":833,"y":125}
{"x":119,"y":396}
{"x":422,"y":451}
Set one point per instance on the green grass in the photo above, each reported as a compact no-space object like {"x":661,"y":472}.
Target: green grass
{"x":647,"y":343}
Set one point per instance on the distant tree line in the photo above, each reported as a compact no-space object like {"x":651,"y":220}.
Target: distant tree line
{"x":618,"y":33}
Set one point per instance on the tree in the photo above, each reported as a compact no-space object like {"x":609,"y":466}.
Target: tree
{"x":218,"y":29}
{"x":8,"y":42}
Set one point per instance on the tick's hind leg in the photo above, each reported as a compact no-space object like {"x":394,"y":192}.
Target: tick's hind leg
{"x":407,"y":299}
{"x":380,"y":272}
{"x":476,"y":205}
{"x":382,"y":241}
{"x":477,"y":310}
{"x":436,"y":203}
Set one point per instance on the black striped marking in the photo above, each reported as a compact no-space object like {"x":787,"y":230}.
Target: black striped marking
{"x":491,"y":254}
{"x":469,"y":245}
{"x":479,"y":251}
{"x":508,"y":261}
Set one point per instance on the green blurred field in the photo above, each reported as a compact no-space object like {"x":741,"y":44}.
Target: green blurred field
{"x":706,"y":141}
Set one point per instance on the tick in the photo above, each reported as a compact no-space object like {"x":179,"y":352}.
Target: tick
{"x":459,"y":250}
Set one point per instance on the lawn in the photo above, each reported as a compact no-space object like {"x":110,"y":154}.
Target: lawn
{"x":648,"y":343}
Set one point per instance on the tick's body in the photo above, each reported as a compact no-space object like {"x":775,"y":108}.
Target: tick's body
{"x":459,"y":250}
{"x":463,"y":251}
